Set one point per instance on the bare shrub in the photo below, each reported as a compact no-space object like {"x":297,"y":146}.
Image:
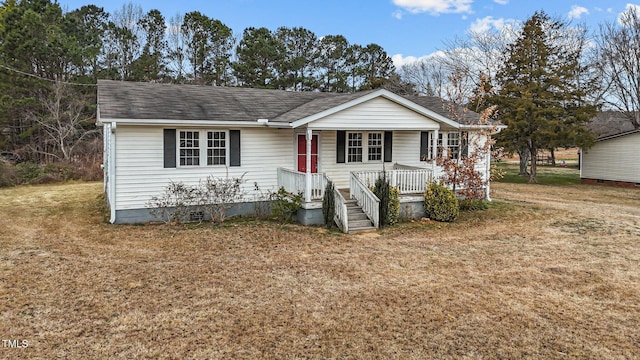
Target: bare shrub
{"x":217,"y":195}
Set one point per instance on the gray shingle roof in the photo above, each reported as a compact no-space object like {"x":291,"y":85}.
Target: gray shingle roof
{"x":610,"y":123}
{"x":136,"y":100}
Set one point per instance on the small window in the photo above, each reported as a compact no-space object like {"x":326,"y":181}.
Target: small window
{"x":354,"y":147}
{"x":375,"y":146}
{"x":453,"y":145}
{"x":216,"y":148}
{"x":189,"y":148}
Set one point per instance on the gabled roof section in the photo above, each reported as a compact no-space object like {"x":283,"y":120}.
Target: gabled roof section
{"x":305,"y":115}
{"x":156,"y":103}
{"x":609,"y":124}
{"x":136,"y":100}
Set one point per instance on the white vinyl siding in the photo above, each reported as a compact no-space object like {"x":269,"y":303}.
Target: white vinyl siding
{"x":615,"y":159}
{"x":141,"y":173}
{"x":375,"y":114}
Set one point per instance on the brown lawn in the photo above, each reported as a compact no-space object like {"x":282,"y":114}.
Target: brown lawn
{"x":546,"y":272}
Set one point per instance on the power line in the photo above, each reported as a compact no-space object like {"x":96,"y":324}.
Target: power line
{"x":43,"y":78}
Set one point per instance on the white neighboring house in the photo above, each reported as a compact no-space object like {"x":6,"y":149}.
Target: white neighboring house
{"x":615,"y":157}
{"x":157,"y":133}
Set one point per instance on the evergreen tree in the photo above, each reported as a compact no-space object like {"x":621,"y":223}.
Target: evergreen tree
{"x":260,"y":55}
{"x":542,"y":100}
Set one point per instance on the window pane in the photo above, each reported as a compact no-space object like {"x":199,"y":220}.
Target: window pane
{"x":216,"y":148}
{"x":189,"y":148}
{"x":375,"y":146}
{"x":354,"y":147}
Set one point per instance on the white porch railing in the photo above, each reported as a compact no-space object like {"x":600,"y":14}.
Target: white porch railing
{"x":341,"y":216}
{"x":366,"y":199}
{"x":408,"y":180}
{"x":295,"y":182}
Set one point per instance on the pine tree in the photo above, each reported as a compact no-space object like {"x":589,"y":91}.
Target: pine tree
{"x":542,"y":96}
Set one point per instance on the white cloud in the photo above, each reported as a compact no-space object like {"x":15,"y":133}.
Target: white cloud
{"x":397,"y":14}
{"x":577,"y":11}
{"x":501,"y":2}
{"x":486,"y":23}
{"x":622,"y":19}
{"x":435,"y":7}
{"x":399,"y":59}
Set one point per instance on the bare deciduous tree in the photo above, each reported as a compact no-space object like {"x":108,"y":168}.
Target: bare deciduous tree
{"x":63,"y":121}
{"x":619,"y":58}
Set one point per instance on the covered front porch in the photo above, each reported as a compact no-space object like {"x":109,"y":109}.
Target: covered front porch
{"x":410,"y":181}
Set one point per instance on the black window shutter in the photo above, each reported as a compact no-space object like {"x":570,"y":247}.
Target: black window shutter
{"x":388,"y":146}
{"x":340,"y":146}
{"x":169,"y":148}
{"x":234,"y":147}
{"x":464,"y":140}
{"x":424,"y":146}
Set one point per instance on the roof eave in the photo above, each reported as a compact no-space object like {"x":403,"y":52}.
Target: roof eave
{"x":379,"y":93}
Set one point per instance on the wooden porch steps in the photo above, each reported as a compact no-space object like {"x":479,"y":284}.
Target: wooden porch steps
{"x":358,"y":220}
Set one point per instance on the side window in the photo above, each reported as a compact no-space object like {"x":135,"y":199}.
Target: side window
{"x":375,"y":146}
{"x":354,"y":147}
{"x":453,"y":145}
{"x":216,"y":148}
{"x":189,"y":148}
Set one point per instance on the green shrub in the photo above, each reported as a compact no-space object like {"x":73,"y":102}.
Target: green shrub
{"x":28,"y":173}
{"x":389,"y":200}
{"x":329,"y":205}
{"x":473,"y":205}
{"x":285,"y":205}
{"x":440,"y":203}
{"x":7,"y":173}
{"x":393,"y":214}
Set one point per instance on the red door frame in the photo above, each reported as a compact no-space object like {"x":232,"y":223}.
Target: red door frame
{"x":302,"y":153}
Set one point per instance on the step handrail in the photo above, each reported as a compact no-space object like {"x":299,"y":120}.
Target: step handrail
{"x":341,"y":216}
{"x":366,"y":199}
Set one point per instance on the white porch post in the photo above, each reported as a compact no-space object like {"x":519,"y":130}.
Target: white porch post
{"x":487,"y":193}
{"x":434,"y":155}
{"x":307,"y":188}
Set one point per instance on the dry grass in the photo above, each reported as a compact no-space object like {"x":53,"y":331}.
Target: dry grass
{"x":546,"y":272}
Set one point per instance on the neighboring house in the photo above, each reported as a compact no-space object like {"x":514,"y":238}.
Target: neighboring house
{"x":615,"y":157}
{"x":157,"y":133}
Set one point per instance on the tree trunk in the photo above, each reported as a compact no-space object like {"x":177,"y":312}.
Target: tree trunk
{"x":533,"y":177}
{"x":524,"y":155}
{"x":553,"y":156}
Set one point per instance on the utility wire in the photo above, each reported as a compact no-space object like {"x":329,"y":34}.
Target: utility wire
{"x":43,"y":78}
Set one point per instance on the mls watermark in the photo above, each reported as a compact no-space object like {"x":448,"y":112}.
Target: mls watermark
{"x":15,"y":344}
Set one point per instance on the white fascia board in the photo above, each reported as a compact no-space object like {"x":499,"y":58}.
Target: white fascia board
{"x":178,"y":123}
{"x":379,"y":93}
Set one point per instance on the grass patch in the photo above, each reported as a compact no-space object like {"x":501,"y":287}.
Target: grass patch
{"x":543,"y":272}
{"x":547,"y":175}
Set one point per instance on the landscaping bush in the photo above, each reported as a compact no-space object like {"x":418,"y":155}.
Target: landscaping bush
{"x":175,"y":202}
{"x":285,"y":205}
{"x":440,"y":203}
{"x":329,"y":205}
{"x":473,"y":205}
{"x":389,"y":200}
{"x":217,"y":195}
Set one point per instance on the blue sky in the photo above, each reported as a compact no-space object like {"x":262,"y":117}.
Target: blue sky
{"x":404,"y":28}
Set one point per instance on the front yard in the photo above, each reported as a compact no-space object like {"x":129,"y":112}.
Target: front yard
{"x":547,"y":271}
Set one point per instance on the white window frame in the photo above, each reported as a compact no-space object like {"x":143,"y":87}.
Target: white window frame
{"x":348,"y":147}
{"x":453,"y":142}
{"x":379,"y":146}
{"x":197,"y":149}
{"x":202,"y":148}
{"x":225,"y":148}
{"x":364,"y":158}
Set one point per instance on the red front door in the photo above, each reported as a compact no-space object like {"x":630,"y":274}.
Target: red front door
{"x":302,"y":153}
